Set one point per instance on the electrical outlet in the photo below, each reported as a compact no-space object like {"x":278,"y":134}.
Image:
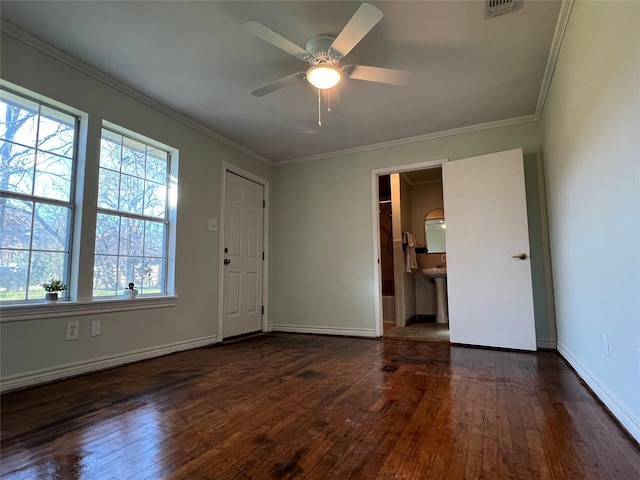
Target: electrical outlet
{"x":605,"y":343}
{"x":213,"y":225}
{"x":95,"y":328}
{"x":73,"y":330}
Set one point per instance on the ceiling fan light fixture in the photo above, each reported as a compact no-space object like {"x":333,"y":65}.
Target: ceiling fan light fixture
{"x":323,"y":76}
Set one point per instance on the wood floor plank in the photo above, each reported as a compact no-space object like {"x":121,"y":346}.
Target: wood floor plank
{"x":287,"y":406}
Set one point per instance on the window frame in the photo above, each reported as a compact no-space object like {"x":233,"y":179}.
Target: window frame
{"x":170,"y":217}
{"x":121,"y":214}
{"x":70,"y":204}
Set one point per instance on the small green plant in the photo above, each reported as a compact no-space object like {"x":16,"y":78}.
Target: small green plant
{"x":53,"y":286}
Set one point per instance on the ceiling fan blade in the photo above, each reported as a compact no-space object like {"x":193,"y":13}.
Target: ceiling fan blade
{"x":380,"y":75}
{"x":362,"y":21}
{"x":278,"y":84}
{"x":275,"y":39}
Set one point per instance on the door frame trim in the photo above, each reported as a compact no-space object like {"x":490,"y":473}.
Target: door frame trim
{"x":377,"y":268}
{"x":230,"y":168}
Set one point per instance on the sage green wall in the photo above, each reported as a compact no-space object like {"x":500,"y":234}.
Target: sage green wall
{"x":591,"y":126}
{"x":36,"y":345}
{"x":322,"y":227}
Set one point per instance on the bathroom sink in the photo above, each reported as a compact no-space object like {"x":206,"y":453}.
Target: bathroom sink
{"x":439,"y":274}
{"x":434,"y":272}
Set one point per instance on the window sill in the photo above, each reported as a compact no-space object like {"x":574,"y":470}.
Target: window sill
{"x":37,"y":311}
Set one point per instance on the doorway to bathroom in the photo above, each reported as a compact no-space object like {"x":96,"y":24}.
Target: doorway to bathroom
{"x":488,"y":260}
{"x":409,"y":298}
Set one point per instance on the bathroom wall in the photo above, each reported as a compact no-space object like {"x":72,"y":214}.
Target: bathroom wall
{"x":405,"y":299}
{"x":424,"y":198}
{"x":409,"y":278}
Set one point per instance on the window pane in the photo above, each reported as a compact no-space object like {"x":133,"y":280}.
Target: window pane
{"x":131,"y":236}
{"x":155,"y":200}
{"x":51,"y":227}
{"x":131,"y":194}
{"x":133,"y":154}
{"x":156,"y":165}
{"x":13,"y":275}
{"x":154,"y":240}
{"x":44,"y":267}
{"x":110,"y":150}
{"x":57,"y":132}
{"x":53,"y":177}
{"x":18,"y":119}
{"x":130,"y":269}
{"x":16,"y":169}
{"x":105,"y":270}
{"x":108,"y":189}
{"x":16,"y":223}
{"x":153,"y":281}
{"x":107,"y":234}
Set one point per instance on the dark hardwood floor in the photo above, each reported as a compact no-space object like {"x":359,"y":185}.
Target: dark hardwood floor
{"x":299,"y":406}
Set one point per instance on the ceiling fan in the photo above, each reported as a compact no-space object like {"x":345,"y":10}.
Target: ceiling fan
{"x":324,"y":52}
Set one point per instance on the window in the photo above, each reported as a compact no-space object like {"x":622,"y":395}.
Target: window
{"x":132,"y":226}
{"x":38,"y":149}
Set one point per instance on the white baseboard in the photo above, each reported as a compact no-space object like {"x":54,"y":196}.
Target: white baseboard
{"x":14,"y":382}
{"x":349,"y":332}
{"x":628,"y":420}
{"x":546,"y":344}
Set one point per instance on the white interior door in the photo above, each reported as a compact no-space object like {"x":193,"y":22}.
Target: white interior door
{"x":490,"y":292}
{"x":243,"y":257}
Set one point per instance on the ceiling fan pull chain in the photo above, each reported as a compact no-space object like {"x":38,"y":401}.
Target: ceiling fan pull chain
{"x":319,"y":108}
{"x":329,"y":101}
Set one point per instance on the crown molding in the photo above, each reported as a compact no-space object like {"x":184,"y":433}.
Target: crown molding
{"x":554,"y":50}
{"x":419,"y":138}
{"x":112,"y":82}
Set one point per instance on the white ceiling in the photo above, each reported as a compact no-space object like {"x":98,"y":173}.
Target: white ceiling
{"x":196,"y":58}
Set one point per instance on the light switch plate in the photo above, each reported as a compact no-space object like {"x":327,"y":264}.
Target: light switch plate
{"x":95,"y":328}
{"x":213,"y":225}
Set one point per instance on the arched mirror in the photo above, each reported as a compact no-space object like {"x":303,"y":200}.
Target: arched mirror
{"x":434,"y":231}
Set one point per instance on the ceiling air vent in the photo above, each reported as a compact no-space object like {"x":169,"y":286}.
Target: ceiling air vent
{"x":495,"y":8}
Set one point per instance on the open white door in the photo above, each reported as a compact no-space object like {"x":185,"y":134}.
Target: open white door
{"x":490,"y":291}
{"x":243,"y":234}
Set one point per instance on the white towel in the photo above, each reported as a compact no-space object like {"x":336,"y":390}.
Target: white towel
{"x":410,"y":254}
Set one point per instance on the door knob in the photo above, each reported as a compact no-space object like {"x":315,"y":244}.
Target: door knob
{"x":521,"y":256}
{"x":227,"y":261}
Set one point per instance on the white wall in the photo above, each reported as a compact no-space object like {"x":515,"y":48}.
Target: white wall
{"x":322,"y":276}
{"x":408,"y":298}
{"x":35,"y":349}
{"x":592,"y":156}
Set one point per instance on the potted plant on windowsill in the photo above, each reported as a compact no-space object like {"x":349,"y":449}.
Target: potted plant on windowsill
{"x":52,"y":287}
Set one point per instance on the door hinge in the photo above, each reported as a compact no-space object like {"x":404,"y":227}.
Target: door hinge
{"x":262,"y":311}
{"x":264,"y":203}
{"x":263,"y":256}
